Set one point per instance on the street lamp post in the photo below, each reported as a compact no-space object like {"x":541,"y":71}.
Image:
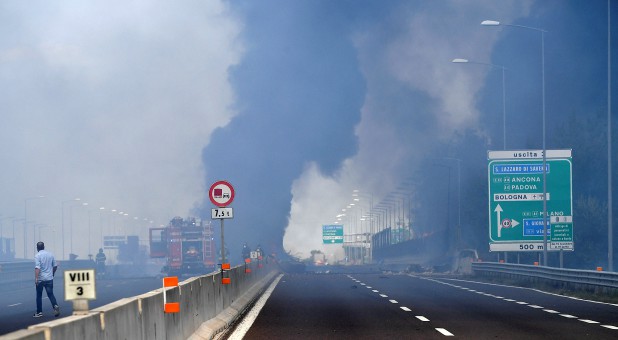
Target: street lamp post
{"x":101,"y":210}
{"x":71,"y":226}
{"x":2,"y":238}
{"x":357,"y":194}
{"x":381,"y":224}
{"x":461,"y":60}
{"x":62,"y":222}
{"x":14,"y":242}
{"x":497,"y":23}
{"x":458,"y":197}
{"x":26,"y":220}
{"x":39,"y":226}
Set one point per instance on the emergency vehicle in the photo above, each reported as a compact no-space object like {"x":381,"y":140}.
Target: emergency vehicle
{"x":187,"y":244}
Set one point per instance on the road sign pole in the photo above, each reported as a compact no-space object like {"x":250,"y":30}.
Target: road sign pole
{"x":80,"y":307}
{"x":222,"y":244}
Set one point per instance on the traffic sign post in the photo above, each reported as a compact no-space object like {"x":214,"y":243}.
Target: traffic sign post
{"x":516,"y":200}
{"x":221,"y":194}
{"x":79,"y":287}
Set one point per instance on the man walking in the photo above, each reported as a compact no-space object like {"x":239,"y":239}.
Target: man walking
{"x":44,"y":271}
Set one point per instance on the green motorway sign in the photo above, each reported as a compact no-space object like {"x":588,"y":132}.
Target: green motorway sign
{"x":516,"y":200}
{"x":332,"y":233}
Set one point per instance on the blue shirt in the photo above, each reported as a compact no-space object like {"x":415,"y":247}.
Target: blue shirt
{"x":45,"y":262}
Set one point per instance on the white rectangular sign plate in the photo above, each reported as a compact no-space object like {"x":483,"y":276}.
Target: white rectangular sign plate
{"x":221,"y":213}
{"x":79,"y":285}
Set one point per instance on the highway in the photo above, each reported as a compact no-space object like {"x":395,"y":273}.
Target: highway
{"x":17,"y":306}
{"x":378,"y":306}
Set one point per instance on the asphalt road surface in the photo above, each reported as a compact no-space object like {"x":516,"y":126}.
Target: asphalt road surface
{"x":17,"y":306}
{"x":376,"y":306}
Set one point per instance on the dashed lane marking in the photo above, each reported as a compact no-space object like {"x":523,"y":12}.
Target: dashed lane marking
{"x":444,"y":332}
{"x":568,"y":316}
{"x":588,"y":321}
{"x":15,"y":304}
{"x":420,"y":317}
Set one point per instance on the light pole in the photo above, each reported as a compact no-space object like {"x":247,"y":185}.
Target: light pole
{"x":357,"y":194}
{"x":39,"y":226}
{"x":26,"y":220}
{"x":458,"y":198}
{"x":2,"y":238}
{"x":381,"y":225}
{"x":542,"y":31}
{"x":71,"y":225}
{"x":101,"y":210}
{"x":461,"y":61}
{"x":62,"y":222}
{"x":14,"y":242}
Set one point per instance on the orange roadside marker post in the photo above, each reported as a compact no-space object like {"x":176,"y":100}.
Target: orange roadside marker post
{"x":172,"y":307}
{"x":247,"y":269}
{"x":225,"y":279}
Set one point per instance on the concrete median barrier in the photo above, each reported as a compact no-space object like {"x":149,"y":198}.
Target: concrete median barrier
{"x":205,"y":304}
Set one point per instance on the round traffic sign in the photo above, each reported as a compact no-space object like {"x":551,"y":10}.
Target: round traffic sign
{"x":221,"y":193}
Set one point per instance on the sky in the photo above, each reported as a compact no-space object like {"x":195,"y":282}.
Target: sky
{"x":138,"y":107}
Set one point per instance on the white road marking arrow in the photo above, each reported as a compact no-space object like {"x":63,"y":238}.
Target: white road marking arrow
{"x":498,"y":210}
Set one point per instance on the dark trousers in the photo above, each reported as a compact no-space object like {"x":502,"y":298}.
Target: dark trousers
{"x":49,"y":288}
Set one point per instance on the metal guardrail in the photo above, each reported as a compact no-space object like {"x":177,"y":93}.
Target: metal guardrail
{"x":586,"y":277}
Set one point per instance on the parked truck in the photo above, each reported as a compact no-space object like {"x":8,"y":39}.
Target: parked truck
{"x":187,"y":244}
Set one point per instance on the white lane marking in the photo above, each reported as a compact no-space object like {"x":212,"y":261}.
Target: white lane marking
{"x":535,"y":306}
{"x":393,"y":301}
{"x":362,"y":284}
{"x":383,"y":295}
{"x":369,"y":287}
{"x":509,"y":300}
{"x":568,"y":316}
{"x":444,"y":332}
{"x":422,"y":318}
{"x":499,"y":297}
{"x":375,"y":291}
{"x":551,"y":311}
{"x":523,"y":288}
{"x":15,"y":304}
{"x":247,"y":321}
{"x":588,"y":321}
{"x":609,"y":326}
{"x":406,"y":309}
{"x":521,"y":303}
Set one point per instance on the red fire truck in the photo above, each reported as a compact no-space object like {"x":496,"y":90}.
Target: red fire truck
{"x":188,"y":245}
